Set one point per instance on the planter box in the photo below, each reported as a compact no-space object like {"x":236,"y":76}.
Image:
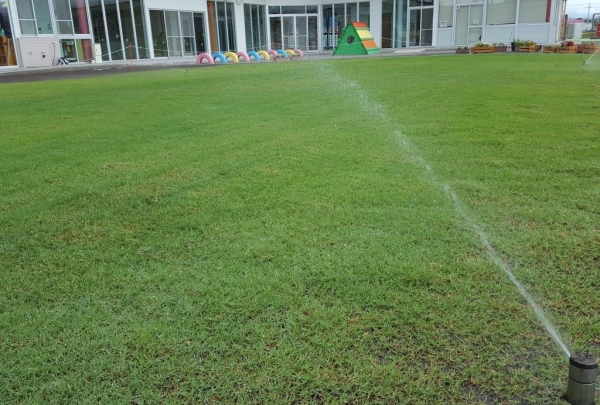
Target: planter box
{"x":550,"y":49}
{"x":592,"y":48}
{"x":503,"y":48}
{"x":568,"y":49}
{"x":532,"y":48}
{"x":462,"y":51}
{"x":481,"y":49}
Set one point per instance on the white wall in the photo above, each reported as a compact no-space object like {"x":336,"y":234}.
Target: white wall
{"x":38,"y":51}
{"x":538,"y":33}
{"x":179,"y":5}
{"x":499,"y":33}
{"x":444,"y":37}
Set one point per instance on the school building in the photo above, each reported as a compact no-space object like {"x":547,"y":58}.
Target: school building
{"x":37,"y":32}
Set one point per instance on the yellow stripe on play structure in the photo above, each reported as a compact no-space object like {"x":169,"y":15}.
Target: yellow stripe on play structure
{"x":364,"y":34}
{"x":290,"y":52}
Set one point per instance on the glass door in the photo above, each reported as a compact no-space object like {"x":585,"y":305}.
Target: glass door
{"x":420,"y":25}
{"x":289,"y":33}
{"x":469,"y":24}
{"x":301,"y":32}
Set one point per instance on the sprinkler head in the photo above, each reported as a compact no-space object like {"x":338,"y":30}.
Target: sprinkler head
{"x":583,"y":372}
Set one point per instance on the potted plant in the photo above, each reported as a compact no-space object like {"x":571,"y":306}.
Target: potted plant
{"x":482,"y":47}
{"x":499,"y":47}
{"x":525,"y":45}
{"x":462,"y":49}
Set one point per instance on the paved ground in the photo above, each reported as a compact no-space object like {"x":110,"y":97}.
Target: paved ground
{"x":75,"y":71}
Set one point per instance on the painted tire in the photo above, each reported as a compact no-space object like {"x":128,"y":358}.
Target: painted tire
{"x":290,"y":52}
{"x":206,"y":56}
{"x":233,"y":57}
{"x":299,"y":52}
{"x":264,"y":54}
{"x":282,"y":53}
{"x":243,"y":55}
{"x":272,"y":52}
{"x":220,"y":56}
{"x":254,"y":55}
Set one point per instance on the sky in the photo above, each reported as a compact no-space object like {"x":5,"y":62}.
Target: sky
{"x":579,"y":8}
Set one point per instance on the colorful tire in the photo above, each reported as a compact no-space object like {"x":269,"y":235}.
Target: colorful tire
{"x":290,"y":52}
{"x":272,"y":53}
{"x":243,"y":55}
{"x":254,"y":55}
{"x":299,"y":52}
{"x":206,"y":56}
{"x":264,"y":54}
{"x":233,"y":56}
{"x":220,"y":56}
{"x":282,"y":53}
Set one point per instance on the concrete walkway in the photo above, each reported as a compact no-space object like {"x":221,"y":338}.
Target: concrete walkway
{"x":83,"y":70}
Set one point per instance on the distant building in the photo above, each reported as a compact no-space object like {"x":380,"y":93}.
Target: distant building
{"x":576,"y":28}
{"x":38,"y":32}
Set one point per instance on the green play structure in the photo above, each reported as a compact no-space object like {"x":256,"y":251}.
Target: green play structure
{"x":356,"y":40}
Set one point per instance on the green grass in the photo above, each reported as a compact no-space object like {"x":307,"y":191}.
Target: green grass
{"x":257,"y":234}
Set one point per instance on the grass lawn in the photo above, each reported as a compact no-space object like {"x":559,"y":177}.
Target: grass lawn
{"x":270,"y":233}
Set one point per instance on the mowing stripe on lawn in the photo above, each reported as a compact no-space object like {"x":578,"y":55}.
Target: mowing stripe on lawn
{"x":373,"y":109}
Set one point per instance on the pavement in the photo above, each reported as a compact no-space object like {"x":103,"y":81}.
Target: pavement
{"x":86,"y":70}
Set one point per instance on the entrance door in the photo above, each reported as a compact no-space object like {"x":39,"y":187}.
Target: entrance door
{"x":469,"y":24}
{"x":298,"y":31}
{"x":420,"y":26}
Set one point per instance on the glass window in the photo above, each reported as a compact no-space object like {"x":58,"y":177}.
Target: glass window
{"x":364,"y":12}
{"x":255,"y":34}
{"x":80,"y":20}
{"x":274,"y":10}
{"x":140,"y":29}
{"x":339,"y":18}
{"x":293,"y":10}
{"x":62,"y":13}
{"x":446,"y":13}
{"x":352,"y":12}
{"x":501,"y":12}
{"x":114,"y":30}
{"x":248,"y":26}
{"x":312,"y":9}
{"x":221,"y":26}
{"x":159,"y":35}
{"x":256,"y":28}
{"x":199,"y":31}
{"x":98,"y":28}
{"x":42,"y":17}
{"x":276,"y":39}
{"x":26,"y":17}
{"x":127,"y":29}
{"x":328,"y":41}
{"x":230,"y":26}
{"x":173,"y":33}
{"x":400,"y":24}
{"x":25,"y":10}
{"x":387,"y":18}
{"x":533,"y":11}
{"x":187,"y":33}
{"x":68,"y":50}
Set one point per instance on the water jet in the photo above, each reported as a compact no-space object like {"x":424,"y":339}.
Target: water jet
{"x":583,"y":372}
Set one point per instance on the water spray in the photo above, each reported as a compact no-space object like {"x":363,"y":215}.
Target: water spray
{"x":590,"y":58}
{"x":583,"y":372}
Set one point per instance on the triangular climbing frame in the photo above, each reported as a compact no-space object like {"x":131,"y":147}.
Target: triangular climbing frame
{"x":356,"y":40}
